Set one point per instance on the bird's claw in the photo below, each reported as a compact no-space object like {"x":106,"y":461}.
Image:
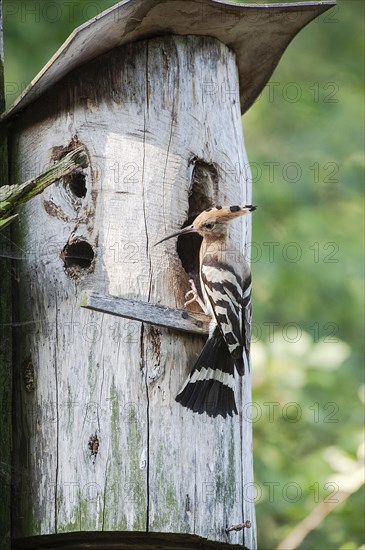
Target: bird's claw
{"x":195,"y":296}
{"x":193,"y":299}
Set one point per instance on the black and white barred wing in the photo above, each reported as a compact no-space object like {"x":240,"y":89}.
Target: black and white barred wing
{"x":229,"y":296}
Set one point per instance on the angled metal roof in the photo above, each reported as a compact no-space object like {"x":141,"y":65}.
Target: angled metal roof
{"x":257,"y":33}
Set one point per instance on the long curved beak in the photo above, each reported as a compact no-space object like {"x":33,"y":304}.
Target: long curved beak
{"x":184,"y":231}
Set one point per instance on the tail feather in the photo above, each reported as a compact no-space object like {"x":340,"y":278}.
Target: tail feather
{"x":209,"y":387}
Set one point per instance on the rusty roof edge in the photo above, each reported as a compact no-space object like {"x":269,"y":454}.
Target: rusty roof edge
{"x":64,"y":60}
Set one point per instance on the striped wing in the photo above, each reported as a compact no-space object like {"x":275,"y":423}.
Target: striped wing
{"x":229,"y":296}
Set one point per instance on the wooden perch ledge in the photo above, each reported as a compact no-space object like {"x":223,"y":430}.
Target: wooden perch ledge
{"x":179,"y":319}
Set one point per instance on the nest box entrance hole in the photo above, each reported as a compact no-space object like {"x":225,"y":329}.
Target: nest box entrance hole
{"x":77,"y":257}
{"x":203,"y":195}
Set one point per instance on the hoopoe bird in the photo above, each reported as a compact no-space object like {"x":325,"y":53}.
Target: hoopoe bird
{"x":225,"y":280}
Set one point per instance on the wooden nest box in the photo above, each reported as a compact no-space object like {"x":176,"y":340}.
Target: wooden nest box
{"x":103,"y":455}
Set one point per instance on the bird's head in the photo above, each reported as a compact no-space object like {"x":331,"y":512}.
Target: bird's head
{"x":212,"y":223}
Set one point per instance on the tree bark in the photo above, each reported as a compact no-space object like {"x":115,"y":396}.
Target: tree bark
{"x":100,"y":441}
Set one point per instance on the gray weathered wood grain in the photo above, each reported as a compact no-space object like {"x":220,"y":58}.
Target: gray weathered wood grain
{"x":143,"y":114}
{"x":167,"y":317}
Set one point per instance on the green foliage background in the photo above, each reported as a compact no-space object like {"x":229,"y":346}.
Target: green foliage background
{"x":304,"y":137}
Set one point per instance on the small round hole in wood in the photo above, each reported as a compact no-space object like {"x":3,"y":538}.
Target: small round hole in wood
{"x":78,"y":255}
{"x":77,"y":184}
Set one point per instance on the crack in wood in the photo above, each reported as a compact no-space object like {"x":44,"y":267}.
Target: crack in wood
{"x":143,"y":366}
{"x":57,"y":423}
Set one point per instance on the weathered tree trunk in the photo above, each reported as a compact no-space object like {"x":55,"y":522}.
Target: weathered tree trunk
{"x":99,"y":439}
{"x":5,"y":341}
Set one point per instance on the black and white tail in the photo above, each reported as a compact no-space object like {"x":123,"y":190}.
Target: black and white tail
{"x":210,"y":386}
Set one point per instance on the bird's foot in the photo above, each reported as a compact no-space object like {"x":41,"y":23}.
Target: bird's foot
{"x":195,"y":297}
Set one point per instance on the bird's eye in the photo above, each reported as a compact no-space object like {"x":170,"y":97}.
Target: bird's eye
{"x":209,"y":225}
